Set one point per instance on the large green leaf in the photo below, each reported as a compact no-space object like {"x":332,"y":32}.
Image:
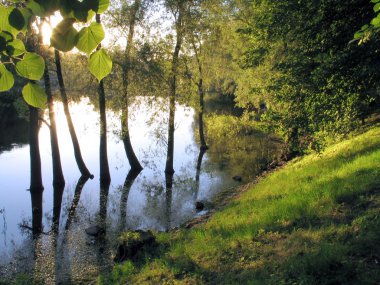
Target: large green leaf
{"x":64,"y":36}
{"x":376,"y":8}
{"x":376,"y":21}
{"x":4,"y":20}
{"x":34,"y":95}
{"x":99,"y":6}
{"x":90,"y":37}
{"x":36,"y":8}
{"x":49,"y":6}
{"x":32,"y":66}
{"x":15,"y":48}
{"x":100,"y":64}
{"x":6,"y":78}
{"x":16,"y":19}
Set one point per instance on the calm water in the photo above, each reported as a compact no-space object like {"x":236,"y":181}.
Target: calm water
{"x":74,"y":255}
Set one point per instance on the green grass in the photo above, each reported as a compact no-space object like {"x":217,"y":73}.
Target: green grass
{"x":315,"y":221}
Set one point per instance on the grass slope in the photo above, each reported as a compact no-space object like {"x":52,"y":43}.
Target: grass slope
{"x":315,"y":221}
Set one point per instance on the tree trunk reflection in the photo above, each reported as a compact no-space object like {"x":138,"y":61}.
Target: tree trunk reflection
{"x":131,"y":176}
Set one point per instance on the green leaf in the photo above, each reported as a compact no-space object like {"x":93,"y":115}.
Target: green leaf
{"x":4,"y":20}
{"x":27,"y":14}
{"x":64,"y":36}
{"x":15,"y":48}
{"x":100,"y":64}
{"x":90,"y":37}
{"x":32,"y":66}
{"x":365,"y":27}
{"x":7,"y":36}
{"x":34,"y":95}
{"x":102,"y":6}
{"x":375,"y":1}
{"x":376,"y":22}
{"x":376,"y":7}
{"x":36,"y":8}
{"x":16,"y":19}
{"x":98,"y":6}
{"x":358,"y":35}
{"x":6,"y":78}
{"x":50,"y":6}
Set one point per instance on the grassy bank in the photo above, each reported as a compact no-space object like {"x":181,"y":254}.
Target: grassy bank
{"x":315,"y":221}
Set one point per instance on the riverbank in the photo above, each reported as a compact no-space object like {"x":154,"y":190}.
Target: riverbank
{"x":314,"y":221}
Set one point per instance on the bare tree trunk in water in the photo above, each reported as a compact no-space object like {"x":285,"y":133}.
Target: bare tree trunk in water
{"x":169,"y":198}
{"x":105,"y":176}
{"x":172,"y":92}
{"x":129,"y":180}
{"x":198,"y":172}
{"x":58,"y":179}
{"x":200,"y":115}
{"x":201,"y":94}
{"x":133,"y":160}
{"x":36,"y":187}
{"x":77,"y":152}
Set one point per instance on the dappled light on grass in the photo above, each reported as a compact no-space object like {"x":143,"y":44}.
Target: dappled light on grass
{"x":314,"y":222}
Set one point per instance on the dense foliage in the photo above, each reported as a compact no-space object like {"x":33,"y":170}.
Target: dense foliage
{"x":18,"y":21}
{"x":303,"y":69}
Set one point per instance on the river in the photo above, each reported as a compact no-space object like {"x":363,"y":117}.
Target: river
{"x":73,"y":255}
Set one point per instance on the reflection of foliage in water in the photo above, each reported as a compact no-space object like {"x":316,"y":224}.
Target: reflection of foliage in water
{"x":238,"y":146}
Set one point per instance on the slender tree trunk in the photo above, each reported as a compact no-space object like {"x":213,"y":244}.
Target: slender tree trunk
{"x":200,"y":115}
{"x":36,"y":187}
{"x":58,"y":179}
{"x":105,"y":176}
{"x":172,"y":94}
{"x":201,"y":93}
{"x":132,"y":158}
{"x":198,"y":172}
{"x":169,"y":198}
{"x":77,"y":152}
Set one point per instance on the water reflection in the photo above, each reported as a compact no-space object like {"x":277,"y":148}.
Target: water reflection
{"x":151,"y":199}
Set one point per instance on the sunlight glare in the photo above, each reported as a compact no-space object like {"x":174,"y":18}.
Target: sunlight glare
{"x":47,"y":29}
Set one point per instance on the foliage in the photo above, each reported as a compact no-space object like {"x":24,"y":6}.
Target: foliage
{"x":368,"y":30}
{"x":18,"y":19}
{"x":316,"y":221}
{"x":300,"y":66}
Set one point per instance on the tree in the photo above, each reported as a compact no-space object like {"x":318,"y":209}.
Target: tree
{"x":17,"y":19}
{"x":126,"y":16}
{"x":178,"y":10}
{"x":311,"y":81}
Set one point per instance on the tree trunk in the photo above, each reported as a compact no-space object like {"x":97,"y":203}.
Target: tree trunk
{"x":172,"y":93}
{"x":105,"y":176}
{"x":77,"y":152}
{"x":200,"y":115}
{"x":132,"y":158}
{"x":169,"y":198}
{"x":58,"y":179}
{"x":201,"y":93}
{"x":36,"y":187}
